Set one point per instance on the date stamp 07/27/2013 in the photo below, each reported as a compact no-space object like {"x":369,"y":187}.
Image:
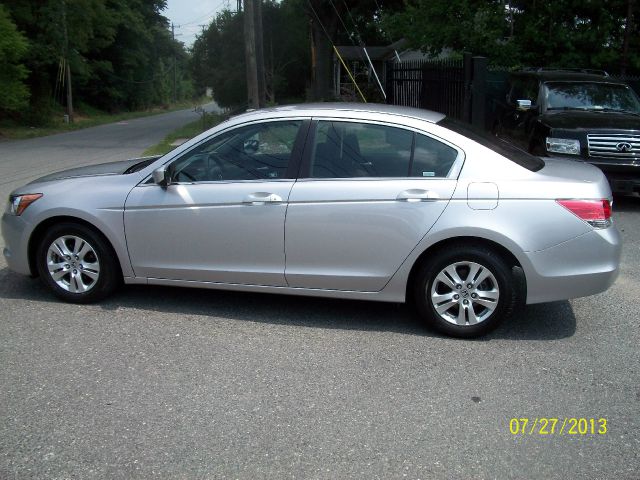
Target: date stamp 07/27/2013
{"x":558,"y":426}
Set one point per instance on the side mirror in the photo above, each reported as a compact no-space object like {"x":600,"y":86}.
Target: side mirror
{"x":523,"y":105}
{"x":161,"y":176}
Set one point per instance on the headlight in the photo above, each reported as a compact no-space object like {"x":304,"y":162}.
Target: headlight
{"x":568,"y":146}
{"x":19,"y":203}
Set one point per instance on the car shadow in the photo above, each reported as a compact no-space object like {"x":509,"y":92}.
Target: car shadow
{"x":549,"y":321}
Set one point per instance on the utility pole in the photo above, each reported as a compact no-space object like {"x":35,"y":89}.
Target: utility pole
{"x":250,"y":54}
{"x":173,"y":46}
{"x":67,"y":72}
{"x":257,"y":7}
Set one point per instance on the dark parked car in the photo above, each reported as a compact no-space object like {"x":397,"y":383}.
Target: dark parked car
{"x":583,"y":115}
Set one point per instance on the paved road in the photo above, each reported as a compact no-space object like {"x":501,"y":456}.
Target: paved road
{"x":176,"y":383}
{"x":24,"y":160}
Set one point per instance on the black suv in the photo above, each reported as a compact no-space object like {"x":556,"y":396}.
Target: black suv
{"x":579,"y":114}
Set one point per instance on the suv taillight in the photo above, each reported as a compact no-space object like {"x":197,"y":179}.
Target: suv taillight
{"x":596,"y":213}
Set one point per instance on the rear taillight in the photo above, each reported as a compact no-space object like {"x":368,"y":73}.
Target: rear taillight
{"x":596,"y":213}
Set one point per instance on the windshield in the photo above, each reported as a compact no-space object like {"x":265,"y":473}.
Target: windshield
{"x":496,"y":144}
{"x":590,"y":96}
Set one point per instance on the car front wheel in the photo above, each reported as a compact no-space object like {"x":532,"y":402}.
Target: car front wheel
{"x":77,"y":263}
{"x":465,"y":291}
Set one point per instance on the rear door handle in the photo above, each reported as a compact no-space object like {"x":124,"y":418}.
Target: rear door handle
{"x":417,"y":195}
{"x":261,"y":198}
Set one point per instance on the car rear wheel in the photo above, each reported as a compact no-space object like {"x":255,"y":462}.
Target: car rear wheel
{"x":77,"y":263}
{"x":465,"y":291}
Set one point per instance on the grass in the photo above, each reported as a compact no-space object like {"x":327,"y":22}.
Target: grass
{"x":188,"y":131}
{"x":85,"y":116}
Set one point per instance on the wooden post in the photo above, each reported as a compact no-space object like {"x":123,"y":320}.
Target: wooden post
{"x":66,"y":58}
{"x":173,"y":46}
{"x":69,"y":94}
{"x":250,"y":54}
{"x":257,"y":10}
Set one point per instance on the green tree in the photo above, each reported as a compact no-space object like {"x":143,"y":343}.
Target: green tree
{"x":562,"y":33}
{"x":120,"y":51}
{"x":14,"y":94}
{"x":218,"y":60}
{"x":434,"y":26}
{"x":573,"y":33}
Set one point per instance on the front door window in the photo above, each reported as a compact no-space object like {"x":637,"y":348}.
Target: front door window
{"x":254,"y":152}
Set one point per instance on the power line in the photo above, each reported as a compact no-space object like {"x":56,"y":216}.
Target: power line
{"x":365,"y":58}
{"x":343,"y":24}
{"x":353,"y":22}
{"x":336,"y":51}
{"x":209,"y":14}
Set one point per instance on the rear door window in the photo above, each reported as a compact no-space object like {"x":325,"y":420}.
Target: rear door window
{"x":432,"y":158}
{"x":355,"y":150}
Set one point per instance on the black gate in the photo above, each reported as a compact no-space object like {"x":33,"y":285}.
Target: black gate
{"x":443,"y":88}
{"x":456,"y":88}
{"x":404,"y":83}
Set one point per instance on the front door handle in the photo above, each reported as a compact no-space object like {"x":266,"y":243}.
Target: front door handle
{"x":417,"y":195}
{"x":261,"y":198}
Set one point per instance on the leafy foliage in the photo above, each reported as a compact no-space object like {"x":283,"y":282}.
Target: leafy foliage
{"x":120,"y":52}
{"x":218,"y":59}
{"x":566,"y":33}
{"x":14,"y":94}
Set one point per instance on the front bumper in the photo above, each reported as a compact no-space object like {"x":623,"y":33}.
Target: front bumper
{"x":16,"y":240}
{"x":583,"y":266}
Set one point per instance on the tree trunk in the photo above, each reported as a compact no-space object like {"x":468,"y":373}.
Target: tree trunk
{"x":250,"y":53}
{"x":322,"y":48}
{"x":257,"y":7}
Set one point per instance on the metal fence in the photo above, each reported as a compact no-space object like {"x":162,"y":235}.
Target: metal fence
{"x":453,"y":87}
{"x":444,"y":88}
{"x":404,"y":83}
{"x":464,"y":89}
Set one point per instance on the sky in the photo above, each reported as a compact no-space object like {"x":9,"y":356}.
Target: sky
{"x":189,"y":15}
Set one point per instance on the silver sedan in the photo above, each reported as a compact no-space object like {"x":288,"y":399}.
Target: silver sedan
{"x":347,"y":201}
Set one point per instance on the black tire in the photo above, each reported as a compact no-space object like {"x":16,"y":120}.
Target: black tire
{"x":501,"y":274}
{"x":101,"y":254}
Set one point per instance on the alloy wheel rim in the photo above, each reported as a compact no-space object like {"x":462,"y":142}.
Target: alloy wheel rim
{"x":464,"y":293}
{"x":73,"y":264}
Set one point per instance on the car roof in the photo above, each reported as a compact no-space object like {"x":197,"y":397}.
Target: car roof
{"x":565,"y":75}
{"x":322,"y":109}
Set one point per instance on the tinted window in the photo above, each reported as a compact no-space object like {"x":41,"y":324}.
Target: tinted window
{"x":260,"y":151}
{"x":590,"y":96}
{"x":505,"y":149}
{"x":347,"y":150}
{"x":432,"y":158}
